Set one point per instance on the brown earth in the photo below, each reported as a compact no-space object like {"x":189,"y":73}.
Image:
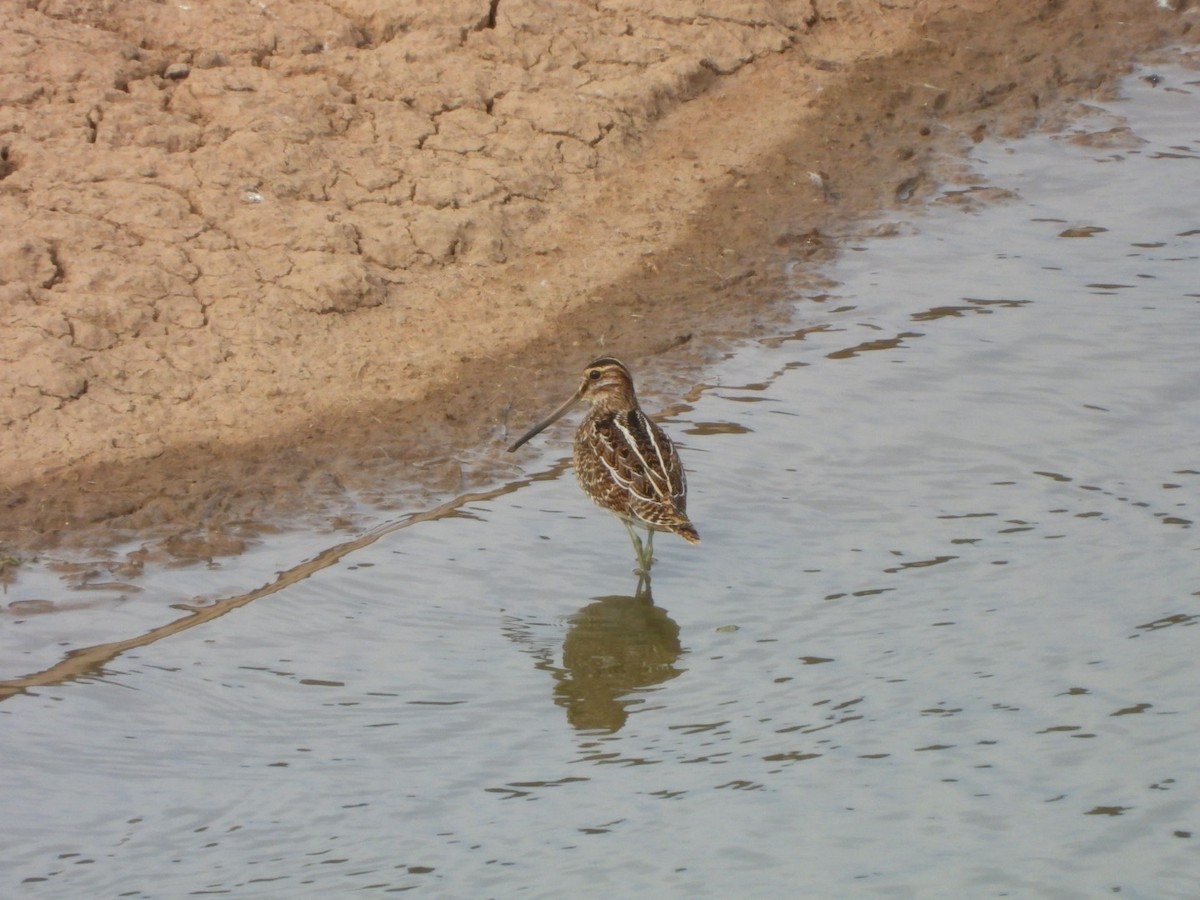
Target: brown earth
{"x":261,"y":259}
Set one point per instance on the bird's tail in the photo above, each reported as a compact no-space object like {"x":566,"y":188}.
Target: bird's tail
{"x":666,"y":517}
{"x":687,"y":531}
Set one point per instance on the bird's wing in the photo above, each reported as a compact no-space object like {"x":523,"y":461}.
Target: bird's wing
{"x":641,"y":458}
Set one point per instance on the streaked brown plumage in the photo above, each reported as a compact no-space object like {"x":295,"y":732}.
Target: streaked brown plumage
{"x":625,"y":462}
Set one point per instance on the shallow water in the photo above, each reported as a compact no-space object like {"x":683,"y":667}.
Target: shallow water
{"x":937,"y":641}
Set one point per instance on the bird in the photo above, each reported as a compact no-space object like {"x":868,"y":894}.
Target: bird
{"x":625,"y":462}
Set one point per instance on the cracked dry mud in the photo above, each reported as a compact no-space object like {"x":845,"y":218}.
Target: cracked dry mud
{"x":262,"y":257}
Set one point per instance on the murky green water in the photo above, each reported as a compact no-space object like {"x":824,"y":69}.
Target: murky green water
{"x":938,"y":641}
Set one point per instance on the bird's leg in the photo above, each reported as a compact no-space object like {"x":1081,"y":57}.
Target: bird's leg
{"x":642,"y":568}
{"x":649,"y":549}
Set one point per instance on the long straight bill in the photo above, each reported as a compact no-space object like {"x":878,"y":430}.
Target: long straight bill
{"x":548,"y":421}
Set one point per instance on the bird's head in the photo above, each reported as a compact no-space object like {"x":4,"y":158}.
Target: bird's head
{"x":606,"y":384}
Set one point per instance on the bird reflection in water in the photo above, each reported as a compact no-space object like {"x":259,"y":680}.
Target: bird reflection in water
{"x":614,"y":647}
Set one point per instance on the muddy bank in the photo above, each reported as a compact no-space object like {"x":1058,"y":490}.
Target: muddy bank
{"x":264,"y":259}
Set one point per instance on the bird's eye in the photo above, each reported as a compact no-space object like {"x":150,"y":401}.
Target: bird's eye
{"x":594,"y":374}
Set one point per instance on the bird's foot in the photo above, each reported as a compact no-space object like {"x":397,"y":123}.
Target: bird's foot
{"x":642,"y":591}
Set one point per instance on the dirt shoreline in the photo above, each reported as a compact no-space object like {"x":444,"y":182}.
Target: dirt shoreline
{"x":272,"y":261}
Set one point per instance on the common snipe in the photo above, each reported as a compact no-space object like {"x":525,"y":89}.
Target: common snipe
{"x":623,"y":461}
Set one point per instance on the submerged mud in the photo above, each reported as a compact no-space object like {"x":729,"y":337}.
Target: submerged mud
{"x":269,"y":261}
